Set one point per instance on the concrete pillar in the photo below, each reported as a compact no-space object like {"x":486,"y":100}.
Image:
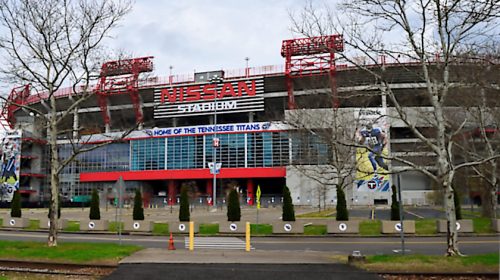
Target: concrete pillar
{"x":172,"y":192}
{"x":250,"y":192}
{"x":76,"y":124}
{"x":210,"y":192}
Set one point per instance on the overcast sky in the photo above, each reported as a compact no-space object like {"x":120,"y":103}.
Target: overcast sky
{"x":206,"y":35}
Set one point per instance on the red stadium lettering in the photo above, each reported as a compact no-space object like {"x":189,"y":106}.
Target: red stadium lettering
{"x":209,"y":91}
{"x":227,"y":90}
{"x":242,"y":86}
{"x":172,"y":97}
{"x":193,"y":93}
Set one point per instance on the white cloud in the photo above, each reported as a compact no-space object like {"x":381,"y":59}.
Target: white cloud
{"x":206,"y":35}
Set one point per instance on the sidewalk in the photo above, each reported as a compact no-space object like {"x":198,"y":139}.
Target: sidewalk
{"x":200,"y":256}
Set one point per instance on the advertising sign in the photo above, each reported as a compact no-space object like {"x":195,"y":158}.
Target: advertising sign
{"x":234,"y":96}
{"x":10,"y":157}
{"x":372,"y":169}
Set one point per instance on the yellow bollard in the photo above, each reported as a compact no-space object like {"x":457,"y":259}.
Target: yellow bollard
{"x":191,"y":236}
{"x":247,"y":237}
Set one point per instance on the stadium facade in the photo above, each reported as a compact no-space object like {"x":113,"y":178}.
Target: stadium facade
{"x":240,"y":117}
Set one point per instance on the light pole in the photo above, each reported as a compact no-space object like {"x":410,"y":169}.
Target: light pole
{"x":215,"y":80}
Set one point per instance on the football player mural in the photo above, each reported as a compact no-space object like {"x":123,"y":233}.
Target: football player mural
{"x":10,"y":162}
{"x":372,"y":169}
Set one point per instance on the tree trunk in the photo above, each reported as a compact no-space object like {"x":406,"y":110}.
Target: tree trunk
{"x":452,"y":240}
{"x":54,"y":176}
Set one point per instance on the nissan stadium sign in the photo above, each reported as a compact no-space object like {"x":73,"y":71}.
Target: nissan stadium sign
{"x":235,"y":96}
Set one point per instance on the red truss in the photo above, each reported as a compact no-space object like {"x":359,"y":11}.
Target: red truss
{"x":311,"y":56}
{"x":17,"y":96}
{"x":122,"y":76}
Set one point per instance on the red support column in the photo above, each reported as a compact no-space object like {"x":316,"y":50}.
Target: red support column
{"x":250,"y":192}
{"x":172,"y":192}
{"x":210,"y":192}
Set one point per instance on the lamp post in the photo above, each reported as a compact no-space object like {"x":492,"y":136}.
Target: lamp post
{"x":215,"y":80}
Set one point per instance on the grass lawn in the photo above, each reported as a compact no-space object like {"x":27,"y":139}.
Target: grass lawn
{"x":370,"y":227}
{"x":261,"y":229}
{"x":315,"y":230}
{"x":113,"y":226}
{"x":160,"y":229}
{"x":328,"y":213}
{"x":209,"y":229}
{"x":102,"y":253}
{"x":34,"y":225}
{"x":425,"y":226}
{"x":423,"y":263}
{"x":72,"y":226}
{"x":482,"y":225}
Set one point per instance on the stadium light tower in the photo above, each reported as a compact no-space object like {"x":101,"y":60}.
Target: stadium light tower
{"x":215,"y":142}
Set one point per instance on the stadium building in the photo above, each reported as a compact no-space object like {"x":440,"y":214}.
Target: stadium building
{"x":171,"y":131}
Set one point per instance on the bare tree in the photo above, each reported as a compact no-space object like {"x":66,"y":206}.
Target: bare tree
{"x":50,"y":44}
{"x":430,"y":34}
{"x":332,"y":167}
{"x":483,"y":138}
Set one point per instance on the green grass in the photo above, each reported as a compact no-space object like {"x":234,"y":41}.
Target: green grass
{"x":425,"y":226}
{"x":315,"y":230}
{"x":328,"y":213}
{"x":34,"y":225}
{"x":160,"y":229}
{"x":482,"y":225}
{"x":467,"y":214}
{"x":261,"y":229}
{"x":209,"y":229}
{"x":370,"y":228}
{"x":72,"y":226}
{"x":113,"y":226}
{"x":424,"y":263}
{"x":66,"y":252}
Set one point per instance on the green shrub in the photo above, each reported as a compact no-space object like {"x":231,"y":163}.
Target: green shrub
{"x":184,"y":215}
{"x":394,"y":205}
{"x":342,"y":213}
{"x":288,"y":211}
{"x":15,"y":205}
{"x":95,"y":213}
{"x":138,"y":214}
{"x":233,"y":207}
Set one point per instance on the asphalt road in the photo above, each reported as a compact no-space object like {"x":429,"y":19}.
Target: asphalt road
{"x":340,"y":245}
{"x":239,"y":271}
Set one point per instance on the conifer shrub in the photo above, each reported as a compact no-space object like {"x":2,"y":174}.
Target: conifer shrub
{"x":394,"y":205}
{"x":288,"y":211}
{"x":95,"y":213}
{"x":184,"y":215}
{"x":138,"y":213}
{"x":342,"y":213}
{"x":233,"y":207}
{"x":15,"y":205}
